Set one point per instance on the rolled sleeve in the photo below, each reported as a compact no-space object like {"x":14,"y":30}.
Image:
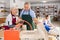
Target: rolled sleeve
{"x":32,"y":13}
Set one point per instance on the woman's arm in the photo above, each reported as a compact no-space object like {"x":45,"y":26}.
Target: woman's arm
{"x":18,"y":20}
{"x":50,"y":23}
{"x":6,"y":22}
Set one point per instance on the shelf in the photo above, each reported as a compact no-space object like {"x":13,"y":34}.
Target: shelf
{"x":51,"y":10}
{"x":2,"y":3}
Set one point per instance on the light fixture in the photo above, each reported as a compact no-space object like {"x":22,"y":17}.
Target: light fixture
{"x":44,"y":1}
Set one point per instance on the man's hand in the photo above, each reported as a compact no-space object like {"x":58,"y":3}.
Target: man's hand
{"x":35,"y":20}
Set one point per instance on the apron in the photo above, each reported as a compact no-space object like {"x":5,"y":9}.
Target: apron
{"x":47,"y":27}
{"x":13,"y":20}
{"x":28,"y":18}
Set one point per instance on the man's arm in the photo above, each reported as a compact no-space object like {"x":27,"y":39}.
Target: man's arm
{"x":35,"y":20}
{"x":32,"y":13}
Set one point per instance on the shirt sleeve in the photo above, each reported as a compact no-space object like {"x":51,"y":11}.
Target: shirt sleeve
{"x":6,"y":22}
{"x":49,"y":20}
{"x":32,"y":13}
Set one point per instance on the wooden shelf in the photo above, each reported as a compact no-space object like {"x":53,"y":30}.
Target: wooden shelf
{"x":50,"y":10}
{"x":2,"y":20}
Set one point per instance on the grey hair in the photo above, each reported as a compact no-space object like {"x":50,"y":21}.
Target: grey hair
{"x":27,"y":3}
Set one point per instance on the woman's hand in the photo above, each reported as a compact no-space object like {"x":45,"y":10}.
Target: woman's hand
{"x":19,"y":19}
{"x":18,"y":25}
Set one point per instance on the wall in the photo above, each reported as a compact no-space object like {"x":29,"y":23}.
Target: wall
{"x":2,"y":4}
{"x":18,"y":3}
{"x":8,"y":4}
{"x":39,"y":0}
{"x":42,"y":4}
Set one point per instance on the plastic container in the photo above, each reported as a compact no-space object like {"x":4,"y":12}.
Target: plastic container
{"x":11,"y":35}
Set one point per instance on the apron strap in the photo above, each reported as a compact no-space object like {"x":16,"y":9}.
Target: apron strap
{"x":13,"y":20}
{"x":28,"y":12}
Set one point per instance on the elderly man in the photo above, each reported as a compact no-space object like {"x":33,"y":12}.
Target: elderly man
{"x":28,"y":15}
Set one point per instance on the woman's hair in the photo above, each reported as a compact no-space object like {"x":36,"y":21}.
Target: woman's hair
{"x":46,"y":16}
{"x":13,"y":8}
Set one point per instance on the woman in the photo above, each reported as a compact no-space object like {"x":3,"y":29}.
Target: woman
{"x":47,"y":23}
{"x":12,"y":18}
{"x":51,"y":29}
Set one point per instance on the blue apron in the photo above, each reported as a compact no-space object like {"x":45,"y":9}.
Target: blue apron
{"x":47,"y":27}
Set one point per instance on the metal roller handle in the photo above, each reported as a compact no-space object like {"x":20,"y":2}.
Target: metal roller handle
{"x":28,"y":24}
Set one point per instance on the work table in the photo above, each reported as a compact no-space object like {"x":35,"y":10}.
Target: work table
{"x":25,"y":35}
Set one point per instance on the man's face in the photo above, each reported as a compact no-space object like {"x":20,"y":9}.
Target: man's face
{"x":14,"y":11}
{"x":26,"y":7}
